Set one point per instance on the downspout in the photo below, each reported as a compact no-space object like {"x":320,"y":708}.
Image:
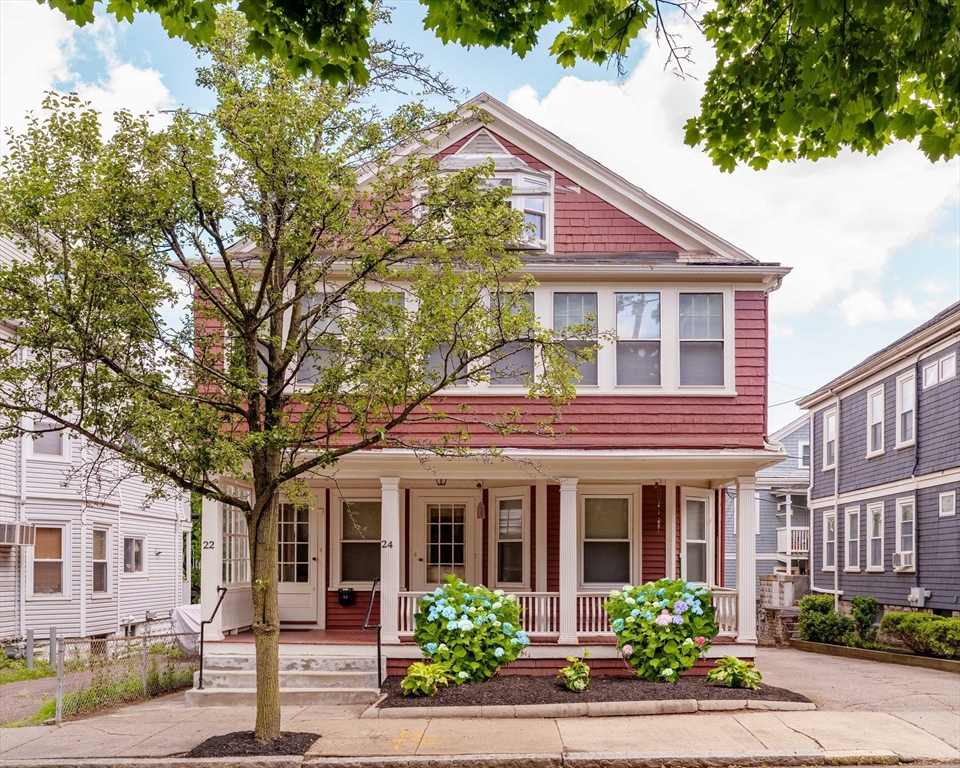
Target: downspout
{"x":22,"y":518}
{"x":913,"y":473}
{"x":836,"y":511}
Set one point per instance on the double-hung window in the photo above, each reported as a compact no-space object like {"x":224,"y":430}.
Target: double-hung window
{"x":803,"y":459}
{"x":906,"y":409}
{"x":606,"y":540}
{"x":638,"y":333}
{"x":701,"y":339}
{"x":852,"y":530}
{"x":578,"y":309}
{"x":829,"y":541}
{"x":359,"y":540}
{"x":906,"y":533}
{"x":48,"y":561}
{"x":830,"y":439}
{"x":533,"y":204}
{"x":133,"y":554}
{"x":515,"y":364}
{"x":875,"y":422}
{"x":875,"y":537}
{"x":100,"y":566}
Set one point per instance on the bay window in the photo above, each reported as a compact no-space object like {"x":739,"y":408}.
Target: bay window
{"x":638,"y":334}
{"x":701,"y":339}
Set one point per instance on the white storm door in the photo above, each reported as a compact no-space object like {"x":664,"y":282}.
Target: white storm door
{"x":298,"y":585}
{"x":445,"y":540}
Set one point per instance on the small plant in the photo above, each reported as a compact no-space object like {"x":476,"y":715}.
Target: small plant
{"x":423,"y":679}
{"x":734,"y":673}
{"x":576,"y":676}
{"x":820,"y":623}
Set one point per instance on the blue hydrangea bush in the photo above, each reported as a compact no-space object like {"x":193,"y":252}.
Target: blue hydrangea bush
{"x":662,"y":627}
{"x":470,"y":629}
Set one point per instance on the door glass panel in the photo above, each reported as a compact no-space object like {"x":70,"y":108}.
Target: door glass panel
{"x":697,"y":562}
{"x":445,"y":534}
{"x":294,"y":544}
{"x":696,"y":519}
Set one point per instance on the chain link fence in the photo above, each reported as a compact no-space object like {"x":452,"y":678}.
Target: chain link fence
{"x":102,"y":672}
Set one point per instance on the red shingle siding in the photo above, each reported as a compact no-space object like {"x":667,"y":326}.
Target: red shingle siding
{"x":351,"y":617}
{"x":584,"y":223}
{"x":654,"y":533}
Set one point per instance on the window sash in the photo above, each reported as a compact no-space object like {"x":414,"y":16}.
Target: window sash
{"x":853,"y":540}
{"x":875,"y":407}
{"x":906,"y":522}
{"x":931,"y":375}
{"x":804,"y":457}
{"x":906,"y":403}
{"x":947,"y":504}
{"x":875,"y":538}
{"x":948,"y":366}
{"x":46,"y":442}
{"x":829,"y":541}
{"x":606,"y":556}
{"x":99,"y":561}
{"x":511,"y":541}
{"x":829,"y":439}
{"x":133,"y":554}
{"x":48,"y":569}
{"x":696,"y":523}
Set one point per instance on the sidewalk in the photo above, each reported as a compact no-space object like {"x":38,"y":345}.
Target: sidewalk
{"x":164,"y":728}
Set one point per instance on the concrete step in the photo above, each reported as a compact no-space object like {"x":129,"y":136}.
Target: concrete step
{"x":289,"y":679}
{"x":248,"y":662}
{"x":302,"y":697}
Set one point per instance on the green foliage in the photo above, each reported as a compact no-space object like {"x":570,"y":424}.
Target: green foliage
{"x":576,"y":675}
{"x":470,"y":630}
{"x":734,"y":673}
{"x":924,"y":633}
{"x":15,"y":670}
{"x":863,"y":611}
{"x":819,"y":622}
{"x":422,"y":679}
{"x":663,"y":627}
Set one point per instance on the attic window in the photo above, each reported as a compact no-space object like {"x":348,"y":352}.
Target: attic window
{"x":483,"y":144}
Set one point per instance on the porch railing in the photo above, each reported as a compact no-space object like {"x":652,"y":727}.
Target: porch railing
{"x":725,"y":601}
{"x":591,"y":618}
{"x":408,"y":607}
{"x":798,"y":538}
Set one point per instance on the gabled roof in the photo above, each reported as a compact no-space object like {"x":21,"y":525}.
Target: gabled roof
{"x":941,"y":325}
{"x":792,"y":427}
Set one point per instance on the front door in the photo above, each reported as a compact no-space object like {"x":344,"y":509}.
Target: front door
{"x":445,"y":532}
{"x":298,"y":555}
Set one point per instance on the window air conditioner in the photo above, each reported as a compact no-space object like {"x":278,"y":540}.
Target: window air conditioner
{"x":8,"y":535}
{"x":26,"y":535}
{"x":902,"y":561}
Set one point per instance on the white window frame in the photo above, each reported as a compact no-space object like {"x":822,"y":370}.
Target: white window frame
{"x":851,"y":515}
{"x":832,"y":515}
{"x":66,"y":582}
{"x":123,"y":556}
{"x":496,"y":495}
{"x":108,"y":592}
{"x":952,"y":358}
{"x":901,"y":503}
{"x":952,"y":496}
{"x":873,"y":567}
{"x":726,"y":338}
{"x":931,"y":374}
{"x":800,"y":446}
{"x":65,"y":445}
{"x":879,"y":390}
{"x":901,"y":379}
{"x":828,"y":416}
{"x":705,"y":495}
{"x":607,"y":492}
{"x":336,"y":535}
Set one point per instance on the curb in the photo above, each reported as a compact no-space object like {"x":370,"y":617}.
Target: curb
{"x":885,"y":657}
{"x":586,"y":709}
{"x":291,"y":761}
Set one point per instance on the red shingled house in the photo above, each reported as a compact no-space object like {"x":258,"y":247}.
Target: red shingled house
{"x":666,"y":418}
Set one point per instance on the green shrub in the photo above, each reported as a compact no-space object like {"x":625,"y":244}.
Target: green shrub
{"x":576,"y":676}
{"x":924,"y":633}
{"x":470,"y":629}
{"x":863,"y":611}
{"x":663,"y":627}
{"x":734,"y":673}
{"x":422,"y":679}
{"x":820,"y":623}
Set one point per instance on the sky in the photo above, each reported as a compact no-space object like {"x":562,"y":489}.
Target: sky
{"x":874,"y":242}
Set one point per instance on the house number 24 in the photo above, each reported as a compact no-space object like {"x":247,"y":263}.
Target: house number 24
{"x":384,"y":544}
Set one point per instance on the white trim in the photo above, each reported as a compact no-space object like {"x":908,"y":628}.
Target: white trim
{"x":908,"y":501}
{"x":937,"y":365}
{"x":952,"y":495}
{"x":907,"y":484}
{"x":871,"y":453}
{"x":848,"y":513}
{"x":828,"y":415}
{"x":706,"y":496}
{"x":634,"y":504}
{"x":832,"y":514}
{"x":496,"y":495}
{"x":871,"y":508}
{"x":800,"y":445}
{"x":902,"y":379}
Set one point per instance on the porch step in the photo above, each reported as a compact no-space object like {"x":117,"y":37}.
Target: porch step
{"x":301,"y":697}
{"x":305,"y":663}
{"x":289,"y":679}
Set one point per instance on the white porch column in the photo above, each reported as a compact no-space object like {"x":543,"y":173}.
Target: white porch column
{"x":568,"y":562}
{"x":746,"y":560}
{"x":789,"y":523}
{"x":211,"y":566}
{"x":389,"y":558}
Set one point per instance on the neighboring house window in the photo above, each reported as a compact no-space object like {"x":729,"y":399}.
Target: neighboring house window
{"x":235,"y":544}
{"x":574,"y":309}
{"x":875,"y":422}
{"x":293,"y":542}
{"x":511,"y":544}
{"x":875,"y":537}
{"x":948,"y":366}
{"x":931,"y":374}
{"x":701,"y":339}
{"x":48,"y":561}
{"x":133,"y":550}
{"x":829,"y":541}
{"x":948,"y":503}
{"x":638,"y":334}
{"x":694,"y":557}
{"x":48,"y":440}
{"x":852,"y":562}
{"x":906,"y":533}
{"x":906,"y":409}
{"x":939,"y":370}
{"x":606,"y":540}
{"x":359,"y":541}
{"x":515,"y":368}
{"x":803,"y":448}
{"x":100,"y":571}
{"x":830,"y":439}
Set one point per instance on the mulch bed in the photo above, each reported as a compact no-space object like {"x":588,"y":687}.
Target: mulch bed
{"x":242,"y":743}
{"x":523,"y":689}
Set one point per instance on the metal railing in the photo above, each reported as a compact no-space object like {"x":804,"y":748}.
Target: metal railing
{"x":222,"y":591}
{"x":378,"y":626}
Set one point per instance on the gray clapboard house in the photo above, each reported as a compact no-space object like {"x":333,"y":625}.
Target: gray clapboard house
{"x":886,"y":473}
{"x":782,"y":520}
{"x":89,"y":557}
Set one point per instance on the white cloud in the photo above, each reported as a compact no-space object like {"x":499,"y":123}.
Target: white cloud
{"x":836,"y":221}
{"x":778,"y":331}
{"x":867,"y":305}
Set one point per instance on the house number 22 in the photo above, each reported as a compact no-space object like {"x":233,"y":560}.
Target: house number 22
{"x":384,"y":544}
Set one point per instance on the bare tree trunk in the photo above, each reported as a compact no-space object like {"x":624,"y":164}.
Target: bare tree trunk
{"x":266,"y":616}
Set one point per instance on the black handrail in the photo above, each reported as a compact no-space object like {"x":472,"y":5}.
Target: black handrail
{"x":378,"y":627}
{"x":223,"y":593}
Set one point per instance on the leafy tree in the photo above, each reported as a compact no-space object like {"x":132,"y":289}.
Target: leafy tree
{"x":792,"y":80}
{"x":295,"y":351}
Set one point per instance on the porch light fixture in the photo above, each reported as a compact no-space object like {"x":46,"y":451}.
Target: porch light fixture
{"x":441,"y":482}
{"x":481,"y":510}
